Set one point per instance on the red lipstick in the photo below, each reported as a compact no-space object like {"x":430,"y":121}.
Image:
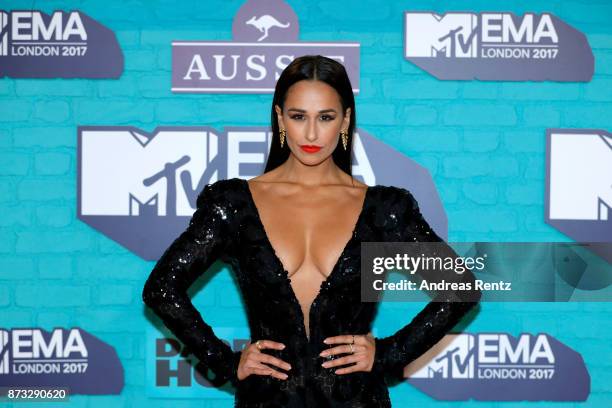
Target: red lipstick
{"x":310,"y":148}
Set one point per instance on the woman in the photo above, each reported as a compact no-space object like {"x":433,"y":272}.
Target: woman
{"x":282,"y":233}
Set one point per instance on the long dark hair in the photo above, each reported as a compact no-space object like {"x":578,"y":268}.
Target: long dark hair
{"x":319,"y":68}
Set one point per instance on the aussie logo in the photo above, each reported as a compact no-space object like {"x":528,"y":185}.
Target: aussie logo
{"x":61,"y":358}
{"x":578,"y":197}
{"x":62,"y":44}
{"x":265,"y":40}
{"x":497,"y":46}
{"x":501,"y":367}
{"x":140,"y":188}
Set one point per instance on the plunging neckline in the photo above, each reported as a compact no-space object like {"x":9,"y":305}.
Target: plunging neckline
{"x":279,"y":263}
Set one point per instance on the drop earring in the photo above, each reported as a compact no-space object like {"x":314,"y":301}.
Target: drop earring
{"x":344,"y":136}
{"x":283,"y":133}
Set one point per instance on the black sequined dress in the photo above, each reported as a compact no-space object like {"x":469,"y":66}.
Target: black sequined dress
{"x":226,"y":226}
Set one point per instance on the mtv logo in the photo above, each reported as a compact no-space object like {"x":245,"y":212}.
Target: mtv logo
{"x":579,"y":183}
{"x":452,"y":35}
{"x":4,"y":352}
{"x":133,"y":185}
{"x":453,"y":357}
{"x":140,"y":188}
{"x":4,"y":17}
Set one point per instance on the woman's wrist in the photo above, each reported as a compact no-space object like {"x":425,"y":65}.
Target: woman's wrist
{"x":387,"y":361}
{"x":378,"y":366}
{"x":233,"y":377}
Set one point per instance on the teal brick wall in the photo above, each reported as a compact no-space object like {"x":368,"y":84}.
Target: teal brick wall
{"x":483,"y":142}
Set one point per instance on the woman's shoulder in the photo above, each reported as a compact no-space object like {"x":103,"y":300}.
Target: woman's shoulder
{"x":225,"y":184}
{"x":223,"y":192}
{"x":389,"y":195}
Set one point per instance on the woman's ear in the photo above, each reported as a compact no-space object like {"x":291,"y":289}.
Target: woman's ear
{"x":279,"y":117}
{"x":346,"y":121}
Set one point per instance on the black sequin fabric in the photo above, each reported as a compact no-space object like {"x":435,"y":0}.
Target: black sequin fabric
{"x":226,"y":226}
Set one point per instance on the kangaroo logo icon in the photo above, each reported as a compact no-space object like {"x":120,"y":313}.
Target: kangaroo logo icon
{"x":265,"y":23}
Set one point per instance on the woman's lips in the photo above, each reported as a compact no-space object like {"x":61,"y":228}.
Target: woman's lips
{"x":310,"y":148}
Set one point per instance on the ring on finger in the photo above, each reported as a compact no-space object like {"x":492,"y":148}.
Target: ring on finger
{"x":258,"y":344}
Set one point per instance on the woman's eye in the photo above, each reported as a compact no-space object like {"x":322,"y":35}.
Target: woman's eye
{"x":325,"y":118}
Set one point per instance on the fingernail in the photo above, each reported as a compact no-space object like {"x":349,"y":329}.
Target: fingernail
{"x":282,"y":346}
{"x":322,"y":354}
{"x":285,"y":376}
{"x":325,"y":341}
{"x":324,"y":364}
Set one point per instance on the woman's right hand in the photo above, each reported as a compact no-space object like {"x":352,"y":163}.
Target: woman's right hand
{"x":252,"y":360}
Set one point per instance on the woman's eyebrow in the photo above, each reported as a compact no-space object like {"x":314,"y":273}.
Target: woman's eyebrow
{"x":303,"y":111}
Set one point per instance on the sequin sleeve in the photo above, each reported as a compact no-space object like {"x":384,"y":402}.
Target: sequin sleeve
{"x":205,"y":240}
{"x":439,"y":316}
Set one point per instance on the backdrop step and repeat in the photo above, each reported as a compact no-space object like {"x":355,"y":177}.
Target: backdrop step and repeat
{"x":115,"y":114}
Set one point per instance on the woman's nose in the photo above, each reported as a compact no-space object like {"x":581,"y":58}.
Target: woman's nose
{"x":311,"y":133}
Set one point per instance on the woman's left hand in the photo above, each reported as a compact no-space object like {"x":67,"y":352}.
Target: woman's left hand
{"x":362,"y":356}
